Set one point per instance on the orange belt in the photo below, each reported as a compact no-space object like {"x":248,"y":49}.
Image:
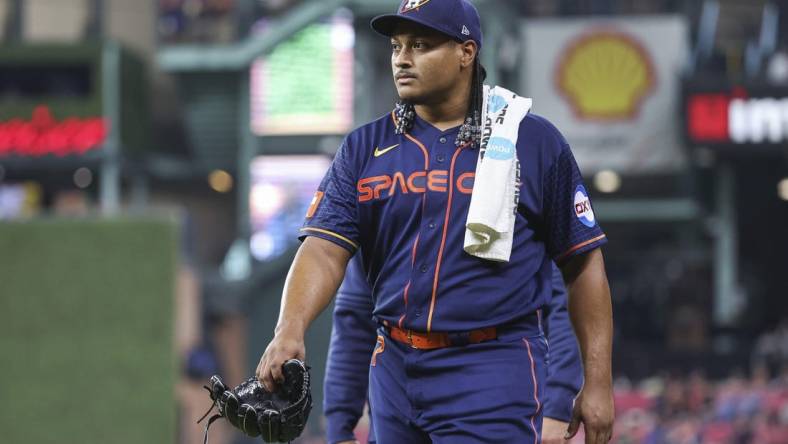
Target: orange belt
{"x":433,"y":340}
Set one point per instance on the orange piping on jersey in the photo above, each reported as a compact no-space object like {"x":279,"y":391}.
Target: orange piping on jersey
{"x":423,"y":149}
{"x":443,"y":240}
{"x":378,"y":350}
{"x":423,"y":197}
{"x":579,"y":246}
{"x":407,"y":287}
{"x":536,"y":391}
{"x":331,"y":233}
{"x":416,"y":141}
{"x":404,"y":296}
{"x":415,"y":246}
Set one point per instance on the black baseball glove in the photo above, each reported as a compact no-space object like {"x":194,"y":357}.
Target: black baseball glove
{"x":276,"y":417}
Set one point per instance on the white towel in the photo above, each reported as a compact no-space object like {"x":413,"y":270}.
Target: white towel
{"x":490,"y":225}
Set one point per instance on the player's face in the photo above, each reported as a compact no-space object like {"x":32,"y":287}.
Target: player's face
{"x":425,"y":63}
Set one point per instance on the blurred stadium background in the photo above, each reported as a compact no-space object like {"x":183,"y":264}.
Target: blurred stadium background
{"x":157,"y":157}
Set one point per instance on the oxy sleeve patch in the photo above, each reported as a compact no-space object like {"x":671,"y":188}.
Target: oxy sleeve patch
{"x":583,"y":210}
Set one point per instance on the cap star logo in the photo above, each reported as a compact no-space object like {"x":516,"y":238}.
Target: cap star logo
{"x":410,"y":5}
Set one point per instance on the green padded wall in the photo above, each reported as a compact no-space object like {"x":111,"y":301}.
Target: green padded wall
{"x":86,"y":332}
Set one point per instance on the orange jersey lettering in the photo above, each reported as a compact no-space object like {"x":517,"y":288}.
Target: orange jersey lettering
{"x":418,"y":182}
{"x":465,"y":182}
{"x":366,"y":192}
{"x":412,"y":182}
{"x":399,"y":178}
{"x":437,"y":179}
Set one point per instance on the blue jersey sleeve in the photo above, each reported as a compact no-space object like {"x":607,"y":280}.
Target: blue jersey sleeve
{"x":564,"y":368}
{"x":353,"y":339}
{"x":572,"y":227}
{"x":333,"y":213}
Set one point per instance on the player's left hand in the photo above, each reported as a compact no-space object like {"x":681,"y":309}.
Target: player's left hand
{"x":594,"y":408}
{"x":554,"y":431}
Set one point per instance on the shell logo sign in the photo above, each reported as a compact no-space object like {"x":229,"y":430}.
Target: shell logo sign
{"x":605,"y":75}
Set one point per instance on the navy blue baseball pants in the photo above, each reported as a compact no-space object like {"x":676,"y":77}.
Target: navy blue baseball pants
{"x":490,"y":392}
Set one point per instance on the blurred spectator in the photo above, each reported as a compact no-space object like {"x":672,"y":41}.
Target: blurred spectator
{"x":693,"y":410}
{"x":197,"y":21}
{"x":274,"y":7}
{"x":214,"y":21}
{"x":777,"y":67}
{"x":771,"y":348}
{"x":19,"y":200}
{"x":71,"y":203}
{"x":540,"y":8}
{"x":172,"y":20}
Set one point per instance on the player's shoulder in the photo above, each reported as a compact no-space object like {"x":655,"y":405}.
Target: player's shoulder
{"x":366,"y":136}
{"x":539,"y":140}
{"x":539,"y":128}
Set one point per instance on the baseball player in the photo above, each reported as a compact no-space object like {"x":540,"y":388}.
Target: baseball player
{"x":353,"y":341}
{"x":461,"y":353}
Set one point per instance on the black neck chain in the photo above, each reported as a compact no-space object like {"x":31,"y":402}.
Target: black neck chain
{"x":470,"y":131}
{"x":405,"y":114}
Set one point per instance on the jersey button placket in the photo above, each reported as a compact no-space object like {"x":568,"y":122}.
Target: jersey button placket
{"x":440,"y":156}
{"x":434,"y":212}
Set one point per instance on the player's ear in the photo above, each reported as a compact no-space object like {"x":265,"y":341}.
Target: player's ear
{"x":468,"y":53}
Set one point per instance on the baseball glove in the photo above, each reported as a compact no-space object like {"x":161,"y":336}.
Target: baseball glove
{"x":276,"y":417}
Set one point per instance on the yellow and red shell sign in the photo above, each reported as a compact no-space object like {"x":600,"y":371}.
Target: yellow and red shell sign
{"x":605,"y":75}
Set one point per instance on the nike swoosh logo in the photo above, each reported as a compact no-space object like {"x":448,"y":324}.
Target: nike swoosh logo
{"x":379,"y":152}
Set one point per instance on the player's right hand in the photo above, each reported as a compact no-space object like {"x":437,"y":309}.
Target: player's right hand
{"x":285,"y":345}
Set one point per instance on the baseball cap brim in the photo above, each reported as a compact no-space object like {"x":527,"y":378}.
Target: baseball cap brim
{"x":386,"y":24}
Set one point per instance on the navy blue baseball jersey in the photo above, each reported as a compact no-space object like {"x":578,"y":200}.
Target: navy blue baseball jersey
{"x":353,"y":340}
{"x":402,"y":200}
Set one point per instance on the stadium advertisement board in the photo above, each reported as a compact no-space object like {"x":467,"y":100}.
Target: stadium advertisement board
{"x":612,"y":85}
{"x":728,"y":117}
{"x":52,"y":103}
